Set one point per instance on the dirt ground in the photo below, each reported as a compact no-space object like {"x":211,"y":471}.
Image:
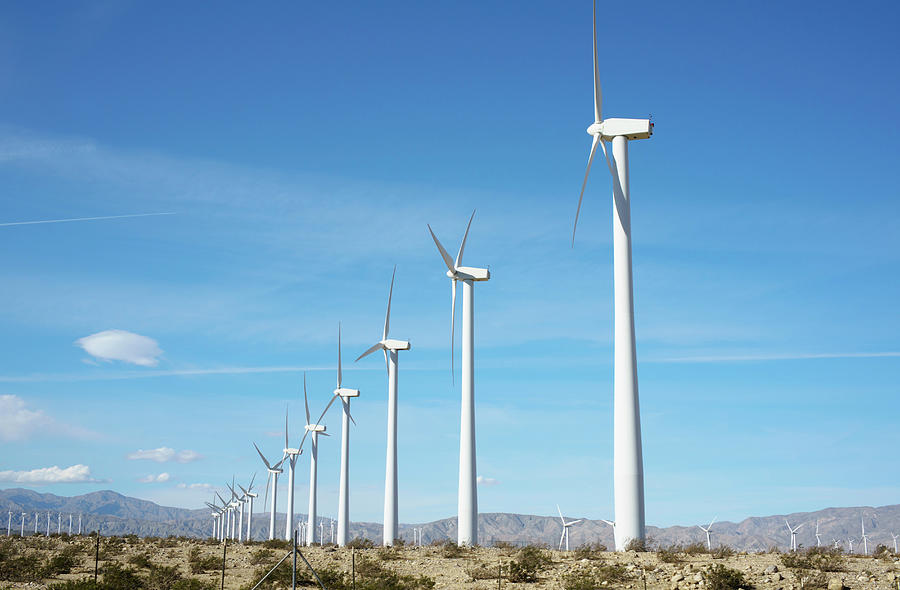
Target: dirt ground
{"x":450,"y":567}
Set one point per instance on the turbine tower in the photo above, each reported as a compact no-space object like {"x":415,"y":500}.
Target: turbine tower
{"x":315,"y":429}
{"x":22,"y":533}
{"x":894,"y":537}
{"x":794,"y":535}
{"x":390,"y":349}
{"x":273,"y":470}
{"x":291,"y":455}
{"x":865,"y":538}
{"x":565,"y":531}
{"x":628,"y":464}
{"x":343,"y":532}
{"x":249,"y":496}
{"x":818,"y":541}
{"x":467,"y":508}
{"x":706,"y":530}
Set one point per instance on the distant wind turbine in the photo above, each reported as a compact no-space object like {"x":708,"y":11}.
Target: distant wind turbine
{"x":707,"y":531}
{"x":249,"y":495}
{"x":818,"y":541}
{"x":390,"y":348}
{"x":9,"y":523}
{"x":314,"y":429}
{"x":793,"y":534}
{"x":291,"y":454}
{"x":467,"y":506}
{"x":865,"y":539}
{"x":565,"y":531}
{"x":850,"y":542}
{"x":70,"y":525}
{"x":273,"y":470}
{"x":894,"y":537}
{"x":22,"y":533}
{"x":346,"y":394}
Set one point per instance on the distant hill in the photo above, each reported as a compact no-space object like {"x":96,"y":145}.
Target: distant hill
{"x":120,"y":515}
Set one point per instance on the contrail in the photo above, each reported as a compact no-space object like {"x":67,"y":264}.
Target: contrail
{"x":83,"y":219}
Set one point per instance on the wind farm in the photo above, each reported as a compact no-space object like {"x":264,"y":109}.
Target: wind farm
{"x":192,"y":210}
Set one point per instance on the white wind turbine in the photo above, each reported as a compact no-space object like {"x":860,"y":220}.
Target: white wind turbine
{"x":467,"y":507}
{"x":865,"y":538}
{"x":237,"y":503}
{"x":48,"y":523}
{"x":79,"y":524}
{"x":249,"y":496}
{"x":707,"y":531}
{"x":565,"y":531}
{"x":628,"y":464}
{"x":314,"y":429}
{"x":818,"y":541}
{"x":59,"y":524}
{"x":9,"y":523}
{"x":70,"y":525}
{"x":894,"y":537}
{"x":850,"y":542}
{"x":390,"y":348}
{"x":291,"y":455}
{"x":793,"y":534}
{"x":273,"y":470}
{"x":22,"y":533}
{"x":345,"y":394}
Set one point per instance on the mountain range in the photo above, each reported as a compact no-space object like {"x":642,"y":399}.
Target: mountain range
{"x":116,"y":514}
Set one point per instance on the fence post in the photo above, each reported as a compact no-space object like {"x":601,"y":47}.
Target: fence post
{"x":224,"y":551}
{"x":294,"y":570}
{"x":353,"y":566}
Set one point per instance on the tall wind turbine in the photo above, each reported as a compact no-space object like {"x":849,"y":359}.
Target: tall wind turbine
{"x":22,"y":533}
{"x":314,"y":429}
{"x":706,"y":530}
{"x":9,"y":523}
{"x":249,"y":495}
{"x":343,"y":532}
{"x":565,"y":531}
{"x":818,"y":541}
{"x":390,"y":348}
{"x":894,"y":537}
{"x":291,"y":455}
{"x":794,"y":535}
{"x":273,"y":470}
{"x":628,"y":463}
{"x":467,"y":508}
{"x":865,"y":538}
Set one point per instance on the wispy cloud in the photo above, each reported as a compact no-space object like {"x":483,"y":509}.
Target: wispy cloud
{"x":164,"y":455}
{"x":72,"y":219}
{"x":734,"y":358}
{"x":18,"y":422}
{"x":120,"y":345}
{"x":161,"y":478}
{"x":47,"y":475}
{"x":195,"y":486}
{"x":487,"y":481}
{"x":72,"y":377}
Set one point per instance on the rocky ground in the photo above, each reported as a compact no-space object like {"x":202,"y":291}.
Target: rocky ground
{"x":183,"y":564}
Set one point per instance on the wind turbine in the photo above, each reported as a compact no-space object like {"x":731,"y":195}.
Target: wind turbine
{"x":628,"y":464}
{"x":291,"y":455}
{"x":237,"y":503}
{"x":894,"y":537}
{"x":390,"y":349}
{"x":865,"y":538}
{"x":565,"y":531}
{"x":79,"y":524}
{"x":467,"y":507}
{"x":850,"y":542}
{"x":793,"y":534}
{"x":706,"y":530}
{"x":818,"y":542}
{"x":70,"y":525}
{"x":249,"y":496}
{"x":273,"y":470}
{"x":48,"y":523}
{"x":59,"y":524}
{"x":36,"y":521}
{"x":344,"y":494}
{"x":9,"y":524}
{"x":315,"y":429}
{"x":22,"y":533}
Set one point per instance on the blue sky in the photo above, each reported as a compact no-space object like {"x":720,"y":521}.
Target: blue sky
{"x":303,"y":148}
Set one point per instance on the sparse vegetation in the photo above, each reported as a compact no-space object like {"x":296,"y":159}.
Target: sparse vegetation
{"x":451,"y":550}
{"x":589,"y":551}
{"x":483,"y":571}
{"x":530,"y":562}
{"x":815,"y":558}
{"x":722,"y":551}
{"x":670,"y":554}
{"x":262,"y":556}
{"x":719,"y":577}
{"x":361,"y":543}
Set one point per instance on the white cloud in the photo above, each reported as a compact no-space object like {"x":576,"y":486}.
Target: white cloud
{"x":164,"y":455}
{"x":161,"y":478}
{"x":45,"y":475}
{"x":17,"y":422}
{"x":487,"y":481}
{"x":119,"y":345}
{"x":195,"y":486}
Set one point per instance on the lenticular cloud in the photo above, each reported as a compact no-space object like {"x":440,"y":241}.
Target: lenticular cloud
{"x":119,"y":345}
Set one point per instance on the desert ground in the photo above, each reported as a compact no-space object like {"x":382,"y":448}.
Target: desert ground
{"x":188,"y":564}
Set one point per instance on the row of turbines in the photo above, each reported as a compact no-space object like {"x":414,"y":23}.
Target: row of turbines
{"x":37,"y":516}
{"x":628,"y":471}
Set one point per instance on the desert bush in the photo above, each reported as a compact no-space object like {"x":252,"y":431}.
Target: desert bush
{"x":882,"y":552}
{"x":450,"y":550}
{"x":58,"y":564}
{"x":162,"y":577}
{"x":530,"y":562}
{"x":372,"y":575}
{"x":694,"y":549}
{"x":670,"y":554}
{"x":21,"y":567}
{"x":722,"y":551}
{"x":203,"y":563}
{"x":116,"y":577}
{"x":282,"y":544}
{"x":279,"y":578}
{"x":813,"y":580}
{"x":387,"y":554}
{"x":719,"y":577}
{"x":580,"y":580}
{"x":589,"y":551}
{"x":640,"y":545}
{"x":482,"y":571}
{"x":83,"y":584}
{"x":194,"y":584}
{"x":361,"y":543}
{"x":262,"y":556}
{"x":141,"y":560}
{"x":505,"y":545}
{"x":815,"y":558}
{"x":611,"y":573}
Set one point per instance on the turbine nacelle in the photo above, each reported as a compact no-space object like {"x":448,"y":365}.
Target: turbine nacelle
{"x":391,"y":344}
{"x":315,"y":428}
{"x":345,"y":392}
{"x":275,"y":471}
{"x":293,"y":452}
{"x":468,"y":273}
{"x":628,"y":128}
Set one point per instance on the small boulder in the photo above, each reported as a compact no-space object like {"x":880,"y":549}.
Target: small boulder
{"x":771,"y":569}
{"x":677,"y":577}
{"x":836,"y":584}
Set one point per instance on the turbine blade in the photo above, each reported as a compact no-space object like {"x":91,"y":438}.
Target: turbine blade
{"x":561,"y":537}
{"x":370,"y":350}
{"x":560,"y":514}
{"x":252,"y":479}
{"x":598,"y":92}
{"x":305,"y":402}
{"x":387,"y":317}
{"x":340,"y":373}
{"x":346,"y":404}
{"x":266,"y":497}
{"x":286,"y":427}
{"x":462,"y":246}
{"x":387,"y":367}
{"x":584,"y":184}
{"x":576,"y":521}
{"x":452,"y":329}
{"x":713,"y":520}
{"x":447,"y":260}
{"x":261,"y":456}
